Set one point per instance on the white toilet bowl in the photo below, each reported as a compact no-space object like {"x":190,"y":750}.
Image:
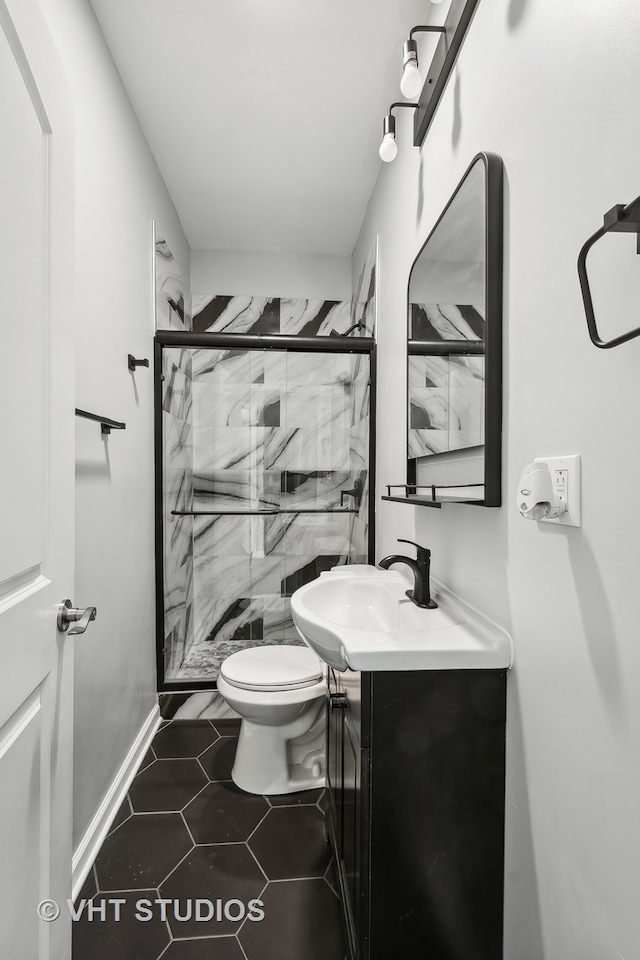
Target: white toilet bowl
{"x":279,"y":691}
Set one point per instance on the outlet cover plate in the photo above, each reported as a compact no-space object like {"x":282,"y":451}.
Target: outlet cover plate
{"x":565,"y":476}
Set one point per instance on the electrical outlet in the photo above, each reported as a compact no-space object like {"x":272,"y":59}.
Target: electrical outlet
{"x":565,"y":477}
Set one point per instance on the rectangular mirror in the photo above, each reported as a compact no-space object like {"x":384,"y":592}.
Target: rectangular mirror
{"x":454,"y":376}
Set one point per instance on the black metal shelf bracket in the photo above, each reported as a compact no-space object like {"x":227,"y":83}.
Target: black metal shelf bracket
{"x":426,"y":494}
{"x":106,"y":423}
{"x":133,"y":363}
{"x":620,"y":219}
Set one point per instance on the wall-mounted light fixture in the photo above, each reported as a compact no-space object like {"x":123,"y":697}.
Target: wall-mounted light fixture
{"x":427,"y":86}
{"x":388,"y":149}
{"x":412,"y":80}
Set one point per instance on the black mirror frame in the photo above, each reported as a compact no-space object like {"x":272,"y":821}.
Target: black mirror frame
{"x":494,"y":245}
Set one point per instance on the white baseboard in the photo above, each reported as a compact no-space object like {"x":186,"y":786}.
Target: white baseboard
{"x":89,"y":846}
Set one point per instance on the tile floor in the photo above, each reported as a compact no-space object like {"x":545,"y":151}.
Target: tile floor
{"x":184,"y":833}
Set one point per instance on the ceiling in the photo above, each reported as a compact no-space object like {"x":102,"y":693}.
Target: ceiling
{"x":264,"y":116}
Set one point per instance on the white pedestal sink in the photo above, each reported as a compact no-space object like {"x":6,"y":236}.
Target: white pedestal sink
{"x":359,"y":617}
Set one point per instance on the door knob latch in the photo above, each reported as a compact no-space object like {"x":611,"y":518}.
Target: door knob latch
{"x":74,"y":620}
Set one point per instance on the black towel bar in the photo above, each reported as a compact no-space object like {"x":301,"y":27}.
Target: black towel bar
{"x":106,"y":424}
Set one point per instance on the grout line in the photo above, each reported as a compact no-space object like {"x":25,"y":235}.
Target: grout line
{"x":199,"y":762}
{"x":164,"y":952}
{"x":246,"y":919}
{"x":128,"y":890}
{"x":260,"y":867}
{"x":193,"y":839}
{"x":241,"y":947}
{"x":296,"y":879}
{"x":195,"y":796}
{"x":173,"y":869}
{"x":206,"y":936}
{"x":265,"y":814}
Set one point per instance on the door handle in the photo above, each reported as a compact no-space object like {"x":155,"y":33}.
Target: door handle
{"x":74,"y":620}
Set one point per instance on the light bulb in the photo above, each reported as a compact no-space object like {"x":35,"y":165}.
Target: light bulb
{"x":411,"y":82}
{"x":388,"y":148}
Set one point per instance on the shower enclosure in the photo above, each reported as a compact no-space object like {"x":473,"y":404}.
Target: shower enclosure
{"x":263,"y":454}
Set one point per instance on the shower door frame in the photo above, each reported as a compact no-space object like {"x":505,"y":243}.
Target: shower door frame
{"x":240,"y":341}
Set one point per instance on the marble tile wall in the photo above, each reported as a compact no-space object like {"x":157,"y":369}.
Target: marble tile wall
{"x":177,"y":405}
{"x":172,"y":299}
{"x":271,"y":315}
{"x":257,"y":430}
{"x":282,"y":433}
{"x":291,"y":317}
{"x":446,"y":393}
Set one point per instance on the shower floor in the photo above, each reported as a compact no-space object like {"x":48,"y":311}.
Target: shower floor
{"x":185,"y":833}
{"x":205,"y":658}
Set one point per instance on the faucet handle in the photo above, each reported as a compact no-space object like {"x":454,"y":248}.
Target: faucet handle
{"x":422,"y":553}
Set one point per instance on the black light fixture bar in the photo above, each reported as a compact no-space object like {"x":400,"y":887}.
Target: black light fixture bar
{"x":453,"y":33}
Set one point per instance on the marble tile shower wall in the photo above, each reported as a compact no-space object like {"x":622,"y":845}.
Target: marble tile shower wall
{"x":280,"y":433}
{"x":272,"y":315}
{"x":177,"y":404}
{"x":258,"y":430}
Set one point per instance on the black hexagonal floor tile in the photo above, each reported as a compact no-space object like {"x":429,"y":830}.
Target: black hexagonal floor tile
{"x":142,"y":851}
{"x":147,"y":760}
{"x":301,"y":920}
{"x":184,"y":738}
{"x":167,"y":785}
{"x":220,"y":872}
{"x":205,"y":948}
{"x":124,"y":939}
{"x":292,"y":842}
{"x":296,"y":799}
{"x":124,"y":812}
{"x":223,"y":813}
{"x":227,"y":727}
{"x":218,"y":759}
{"x":331,"y":877}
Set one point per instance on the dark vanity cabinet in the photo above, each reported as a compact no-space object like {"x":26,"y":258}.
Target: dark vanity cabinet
{"x":416,"y":769}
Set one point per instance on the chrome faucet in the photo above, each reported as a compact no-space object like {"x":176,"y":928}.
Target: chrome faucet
{"x":420,"y":595}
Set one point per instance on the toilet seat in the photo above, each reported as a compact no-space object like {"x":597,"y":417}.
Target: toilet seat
{"x":272,"y":668}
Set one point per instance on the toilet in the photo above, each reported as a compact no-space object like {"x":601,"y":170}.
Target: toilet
{"x":279,"y":691}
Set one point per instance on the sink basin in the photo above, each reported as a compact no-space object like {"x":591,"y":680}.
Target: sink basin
{"x":359,"y":617}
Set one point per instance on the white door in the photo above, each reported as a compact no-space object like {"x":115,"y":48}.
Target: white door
{"x":36,"y":485}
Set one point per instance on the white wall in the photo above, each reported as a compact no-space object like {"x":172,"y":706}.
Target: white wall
{"x":119,"y":193}
{"x":553,"y":88}
{"x":271,"y":275}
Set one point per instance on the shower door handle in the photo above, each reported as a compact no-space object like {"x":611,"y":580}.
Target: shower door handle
{"x":75,"y":620}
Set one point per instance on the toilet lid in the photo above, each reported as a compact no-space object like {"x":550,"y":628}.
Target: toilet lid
{"x":280,"y":667}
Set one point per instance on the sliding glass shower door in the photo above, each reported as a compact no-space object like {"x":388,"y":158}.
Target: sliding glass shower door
{"x":265,"y":484}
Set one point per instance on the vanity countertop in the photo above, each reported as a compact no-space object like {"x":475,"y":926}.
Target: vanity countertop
{"x":358,"y":617}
